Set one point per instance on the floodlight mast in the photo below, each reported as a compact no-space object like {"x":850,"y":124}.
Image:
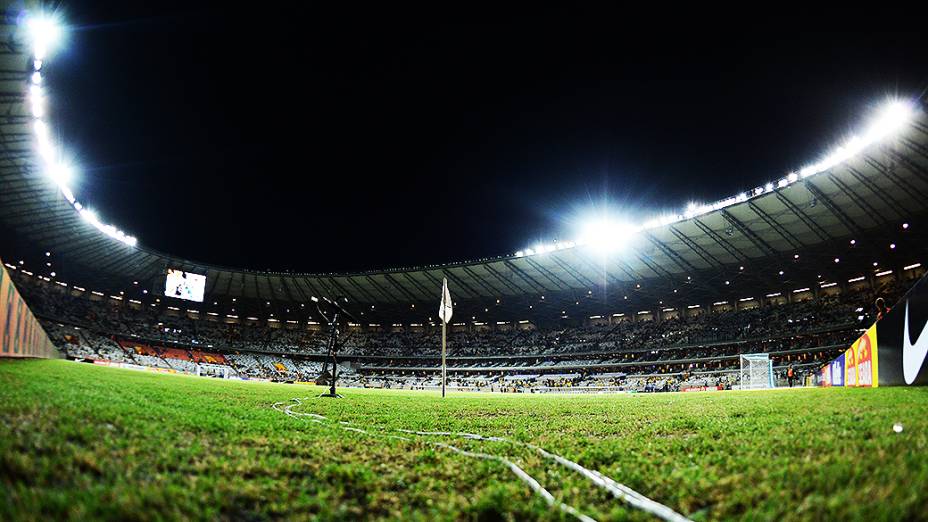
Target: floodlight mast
{"x":335,"y":311}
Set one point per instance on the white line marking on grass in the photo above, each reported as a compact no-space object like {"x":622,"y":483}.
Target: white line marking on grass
{"x":518,"y":471}
{"x":618,"y":490}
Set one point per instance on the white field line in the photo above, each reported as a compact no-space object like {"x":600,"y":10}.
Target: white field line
{"x":618,"y":490}
{"x":518,"y":471}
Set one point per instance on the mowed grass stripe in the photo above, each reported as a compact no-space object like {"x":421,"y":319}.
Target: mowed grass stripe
{"x":79,"y":441}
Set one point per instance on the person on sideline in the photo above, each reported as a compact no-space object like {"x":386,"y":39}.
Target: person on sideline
{"x":881,"y":308}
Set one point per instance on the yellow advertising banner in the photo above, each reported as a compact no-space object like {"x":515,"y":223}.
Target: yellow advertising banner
{"x":850,"y":366}
{"x":865,"y":354}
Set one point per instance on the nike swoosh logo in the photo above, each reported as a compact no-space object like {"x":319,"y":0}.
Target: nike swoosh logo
{"x":913,"y":355}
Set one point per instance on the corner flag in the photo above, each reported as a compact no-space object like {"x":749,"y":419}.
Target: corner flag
{"x":444,"y":313}
{"x":444,"y":310}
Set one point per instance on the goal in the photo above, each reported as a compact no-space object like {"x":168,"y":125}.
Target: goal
{"x":213,"y":370}
{"x":756,"y":371}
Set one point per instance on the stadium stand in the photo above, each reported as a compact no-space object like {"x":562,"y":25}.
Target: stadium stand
{"x":679,"y":352}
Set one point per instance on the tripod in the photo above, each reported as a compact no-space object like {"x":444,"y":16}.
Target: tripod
{"x":332,"y":343}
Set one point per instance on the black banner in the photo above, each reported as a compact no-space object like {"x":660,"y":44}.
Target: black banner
{"x":903,"y":339}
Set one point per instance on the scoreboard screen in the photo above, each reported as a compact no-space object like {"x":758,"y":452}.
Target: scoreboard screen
{"x":184,"y":285}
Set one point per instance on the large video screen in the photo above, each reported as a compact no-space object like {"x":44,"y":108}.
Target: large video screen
{"x":184,"y":285}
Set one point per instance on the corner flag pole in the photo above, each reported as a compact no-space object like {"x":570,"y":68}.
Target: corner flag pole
{"x":444,"y":370}
{"x":444,"y":313}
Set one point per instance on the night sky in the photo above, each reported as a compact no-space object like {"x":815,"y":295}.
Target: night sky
{"x":291,"y":141}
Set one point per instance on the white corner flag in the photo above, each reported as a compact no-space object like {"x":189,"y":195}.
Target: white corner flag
{"x":444,"y":313}
{"x":444,"y":310}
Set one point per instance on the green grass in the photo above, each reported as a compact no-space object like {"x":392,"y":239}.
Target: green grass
{"x":85,"y":442}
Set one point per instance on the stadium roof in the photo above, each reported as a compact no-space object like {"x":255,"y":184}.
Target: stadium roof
{"x":875,"y":191}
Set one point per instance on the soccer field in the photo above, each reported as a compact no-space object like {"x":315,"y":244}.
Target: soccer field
{"x":80,"y":441}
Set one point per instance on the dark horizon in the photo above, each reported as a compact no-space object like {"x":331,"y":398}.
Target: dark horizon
{"x":316,"y":147}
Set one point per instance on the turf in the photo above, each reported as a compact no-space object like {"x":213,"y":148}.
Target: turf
{"x":85,"y":442}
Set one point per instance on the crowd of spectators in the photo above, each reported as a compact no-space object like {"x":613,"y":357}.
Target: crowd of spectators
{"x":807,"y":333}
{"x":84,"y":344}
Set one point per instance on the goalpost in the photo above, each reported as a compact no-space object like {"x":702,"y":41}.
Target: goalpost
{"x":756,"y":371}
{"x":212,"y":370}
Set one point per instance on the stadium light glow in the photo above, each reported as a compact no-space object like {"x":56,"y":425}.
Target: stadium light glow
{"x":89,"y":215}
{"x":606,"y":236}
{"x":61,"y":173}
{"x":891,"y":118}
{"x":44,"y":33}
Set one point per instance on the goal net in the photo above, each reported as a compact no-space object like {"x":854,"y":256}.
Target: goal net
{"x":756,"y":371}
{"x":213,"y":370}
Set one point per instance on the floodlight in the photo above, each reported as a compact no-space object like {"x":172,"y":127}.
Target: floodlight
{"x":61,"y":173}
{"x":37,"y":101}
{"x":89,"y":215}
{"x":854,"y":146}
{"x":44,"y":34}
{"x":892,"y":117}
{"x":41,"y":129}
{"x":606,"y":235}
{"x":46,"y":151}
{"x":66,"y":192}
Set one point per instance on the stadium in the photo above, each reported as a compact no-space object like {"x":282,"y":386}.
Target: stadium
{"x":724,"y":361}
